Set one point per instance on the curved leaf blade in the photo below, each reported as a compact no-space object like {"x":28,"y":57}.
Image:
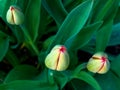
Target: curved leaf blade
{"x":88,"y":79}
{"x":83,"y":36}
{"x":4,"y":45}
{"x":55,"y":9}
{"x":103,"y":36}
{"x":32,"y":17}
{"x":27,"y":85}
{"x":73,"y":22}
{"x":21,"y":72}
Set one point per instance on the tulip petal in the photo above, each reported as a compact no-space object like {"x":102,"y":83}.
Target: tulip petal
{"x":105,"y":68}
{"x":57,"y":59}
{"x":14,"y":16}
{"x":63,"y":61}
{"x":98,"y":63}
{"x":94,"y":65}
{"x":51,"y":60}
{"x":9,"y":17}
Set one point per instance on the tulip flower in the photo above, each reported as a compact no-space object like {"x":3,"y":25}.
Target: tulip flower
{"x":14,"y":16}
{"x":58,"y":58}
{"x":98,"y":63}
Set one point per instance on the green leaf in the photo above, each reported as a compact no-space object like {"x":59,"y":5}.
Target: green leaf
{"x":4,"y":45}
{"x":2,"y":6}
{"x":82,"y":37}
{"x":74,"y":22}
{"x":21,"y":72}
{"x":88,"y":79}
{"x":104,"y":10}
{"x":55,"y":9}
{"x":115,"y":65}
{"x":79,"y":68}
{"x":27,"y":85}
{"x":32,"y":18}
{"x":108,"y":81}
{"x":103,"y":36}
{"x":62,"y":78}
{"x":115,"y":39}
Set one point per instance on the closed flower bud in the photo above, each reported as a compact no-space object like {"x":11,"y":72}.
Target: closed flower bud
{"x":98,"y":63}
{"x":58,"y":58}
{"x":14,"y":16}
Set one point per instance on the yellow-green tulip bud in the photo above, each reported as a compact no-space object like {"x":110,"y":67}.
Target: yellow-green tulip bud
{"x":58,"y":58}
{"x":98,"y":63}
{"x":14,"y":15}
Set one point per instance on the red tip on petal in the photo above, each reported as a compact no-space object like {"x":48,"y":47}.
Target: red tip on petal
{"x":11,"y":8}
{"x":62,"y":49}
{"x":103,"y":59}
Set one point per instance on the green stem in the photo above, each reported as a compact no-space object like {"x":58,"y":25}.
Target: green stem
{"x":50,"y":77}
{"x":12,"y":59}
{"x":29,"y":40}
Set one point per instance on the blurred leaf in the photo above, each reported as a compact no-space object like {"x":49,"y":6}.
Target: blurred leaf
{"x":12,"y":58}
{"x":18,"y":35}
{"x":67,"y":2}
{"x":43,"y":76}
{"x":108,"y":81}
{"x":22,"y":4}
{"x":103,"y":36}
{"x":21,"y":72}
{"x":62,"y":78}
{"x":115,"y":39}
{"x":115,"y":65}
{"x":100,"y":15}
{"x":82,"y":37}
{"x":79,"y":68}
{"x":117,"y":18}
{"x":73,"y":22}
{"x":70,"y":4}
{"x":88,"y":79}
{"x":2,"y":6}
{"x":27,"y":85}
{"x":32,"y":18}
{"x":2,"y":76}
{"x":45,"y":20}
{"x":55,"y":9}
{"x":47,"y":42}
{"x":4,"y":45}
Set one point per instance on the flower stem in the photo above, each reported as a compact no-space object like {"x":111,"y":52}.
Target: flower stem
{"x":29,"y":40}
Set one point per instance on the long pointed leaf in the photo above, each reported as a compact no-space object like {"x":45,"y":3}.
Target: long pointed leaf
{"x":32,"y":17}
{"x":4,"y":45}
{"x":73,"y":22}
{"x":82,"y":37}
{"x":88,"y":78}
{"x":103,"y":36}
{"x":55,"y":9}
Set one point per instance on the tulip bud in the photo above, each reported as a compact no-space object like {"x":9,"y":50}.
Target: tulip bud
{"x":58,"y":58}
{"x":14,"y":16}
{"x":98,"y":63}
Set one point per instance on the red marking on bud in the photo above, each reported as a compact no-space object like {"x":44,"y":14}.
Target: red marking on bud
{"x":62,"y":49}
{"x":103,"y":63}
{"x":11,"y":8}
{"x":103,"y":59}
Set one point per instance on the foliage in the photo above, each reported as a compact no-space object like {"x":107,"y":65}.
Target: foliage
{"x":81,"y":25}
